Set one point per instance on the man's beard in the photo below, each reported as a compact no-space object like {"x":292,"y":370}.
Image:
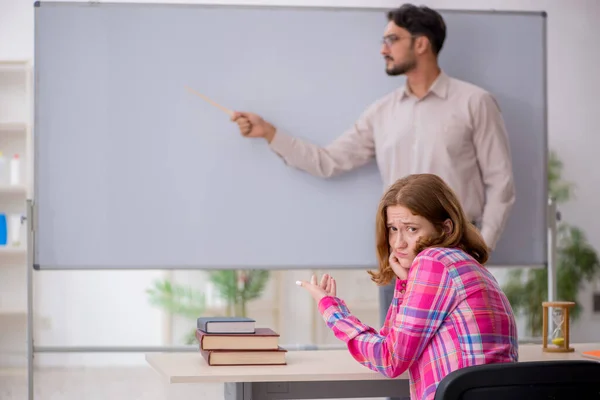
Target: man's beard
{"x":401,"y":69}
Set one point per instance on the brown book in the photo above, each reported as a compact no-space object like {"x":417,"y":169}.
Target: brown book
{"x":261,"y":339}
{"x":244,"y":357}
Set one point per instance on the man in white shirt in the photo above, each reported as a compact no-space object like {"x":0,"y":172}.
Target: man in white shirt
{"x":433,"y":124}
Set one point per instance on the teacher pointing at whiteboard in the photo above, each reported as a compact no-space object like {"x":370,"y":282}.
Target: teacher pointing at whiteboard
{"x":432,"y":124}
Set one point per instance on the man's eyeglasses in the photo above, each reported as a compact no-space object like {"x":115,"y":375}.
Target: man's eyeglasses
{"x":391,"y":39}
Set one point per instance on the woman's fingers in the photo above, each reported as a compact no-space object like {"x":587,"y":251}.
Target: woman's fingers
{"x":332,"y":289}
{"x":315,"y":291}
{"x":318,"y":290}
{"x":324,"y":281}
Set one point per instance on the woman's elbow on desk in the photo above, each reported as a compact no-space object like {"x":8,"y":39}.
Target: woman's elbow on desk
{"x":387,"y":371}
{"x":378,"y":359}
{"x":394,"y":371}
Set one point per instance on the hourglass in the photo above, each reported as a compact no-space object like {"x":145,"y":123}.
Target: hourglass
{"x":559,"y":332}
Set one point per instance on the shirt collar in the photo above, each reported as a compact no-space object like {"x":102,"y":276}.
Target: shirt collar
{"x":439,"y":87}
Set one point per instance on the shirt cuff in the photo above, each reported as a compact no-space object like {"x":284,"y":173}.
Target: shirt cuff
{"x":332,"y":307}
{"x":282,"y":143}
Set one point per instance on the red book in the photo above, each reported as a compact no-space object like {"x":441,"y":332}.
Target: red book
{"x":244,"y":357}
{"x":261,"y":339}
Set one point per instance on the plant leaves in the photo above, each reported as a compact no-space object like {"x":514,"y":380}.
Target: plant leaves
{"x":255,"y":284}
{"x":225,"y":282}
{"x":558,"y":189}
{"x":176,"y":299}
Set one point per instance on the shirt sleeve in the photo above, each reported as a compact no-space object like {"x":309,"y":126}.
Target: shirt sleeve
{"x":352,"y":149}
{"x":430,"y":297}
{"x":494,"y":158}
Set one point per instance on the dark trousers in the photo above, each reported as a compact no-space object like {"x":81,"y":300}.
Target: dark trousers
{"x":386,"y":294}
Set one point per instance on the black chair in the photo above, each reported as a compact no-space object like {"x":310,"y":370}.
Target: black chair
{"x":544,"y":380}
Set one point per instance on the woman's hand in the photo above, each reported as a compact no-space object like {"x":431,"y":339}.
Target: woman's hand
{"x":325,"y":288}
{"x":401,"y":273}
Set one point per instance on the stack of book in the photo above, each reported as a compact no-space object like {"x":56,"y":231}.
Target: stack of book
{"x":237,"y":341}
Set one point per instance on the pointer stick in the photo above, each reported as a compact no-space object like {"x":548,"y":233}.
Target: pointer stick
{"x":224,"y":109}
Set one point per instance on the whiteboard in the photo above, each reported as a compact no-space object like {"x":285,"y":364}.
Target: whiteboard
{"x":132,"y":171}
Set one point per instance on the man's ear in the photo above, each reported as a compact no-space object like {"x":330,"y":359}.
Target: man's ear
{"x":421,"y":44}
{"x":448,"y":226}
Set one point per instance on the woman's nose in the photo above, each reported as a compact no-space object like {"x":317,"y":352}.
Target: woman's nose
{"x":400,"y":242}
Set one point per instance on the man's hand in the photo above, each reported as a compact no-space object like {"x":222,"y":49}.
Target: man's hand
{"x":252,"y":125}
{"x":318,"y":291}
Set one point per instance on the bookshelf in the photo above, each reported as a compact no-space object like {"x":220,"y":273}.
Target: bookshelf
{"x":16,"y":94}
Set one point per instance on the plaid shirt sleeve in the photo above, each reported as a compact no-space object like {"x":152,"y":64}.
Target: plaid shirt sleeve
{"x":430,"y":296}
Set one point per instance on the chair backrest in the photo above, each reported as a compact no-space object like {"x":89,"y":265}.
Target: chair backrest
{"x":543,"y":380}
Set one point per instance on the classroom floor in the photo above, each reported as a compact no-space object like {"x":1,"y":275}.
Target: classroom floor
{"x":104,"y":383}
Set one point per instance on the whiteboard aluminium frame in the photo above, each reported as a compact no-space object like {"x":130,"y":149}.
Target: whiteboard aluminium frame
{"x":55,"y":207}
{"x":553,"y":217}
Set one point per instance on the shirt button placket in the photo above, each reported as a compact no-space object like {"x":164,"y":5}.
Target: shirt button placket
{"x":415,"y":131}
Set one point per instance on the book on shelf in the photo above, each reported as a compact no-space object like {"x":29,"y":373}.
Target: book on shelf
{"x":244,"y":357}
{"x":261,"y":339}
{"x":226,"y":324}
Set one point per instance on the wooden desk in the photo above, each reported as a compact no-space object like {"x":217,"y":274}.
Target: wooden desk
{"x":309,"y":374}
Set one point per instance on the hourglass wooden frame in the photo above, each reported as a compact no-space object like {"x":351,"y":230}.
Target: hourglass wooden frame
{"x":560,"y":342}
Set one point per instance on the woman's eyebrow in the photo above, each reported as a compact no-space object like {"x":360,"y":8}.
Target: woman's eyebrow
{"x":405,"y":222}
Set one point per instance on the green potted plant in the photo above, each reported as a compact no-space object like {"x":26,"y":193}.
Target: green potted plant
{"x":235,"y":287}
{"x":577,"y":263}
{"x":239,"y":287}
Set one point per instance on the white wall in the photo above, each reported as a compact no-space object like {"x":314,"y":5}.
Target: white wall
{"x":111,"y":308}
{"x":95,"y":308}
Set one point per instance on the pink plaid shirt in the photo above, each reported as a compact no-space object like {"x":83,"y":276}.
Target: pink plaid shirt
{"x":450,"y":313}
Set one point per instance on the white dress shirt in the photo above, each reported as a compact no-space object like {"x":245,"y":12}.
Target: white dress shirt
{"x":455,"y":131}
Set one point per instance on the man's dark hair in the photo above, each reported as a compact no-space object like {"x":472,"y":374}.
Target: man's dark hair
{"x":421,"y":21}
